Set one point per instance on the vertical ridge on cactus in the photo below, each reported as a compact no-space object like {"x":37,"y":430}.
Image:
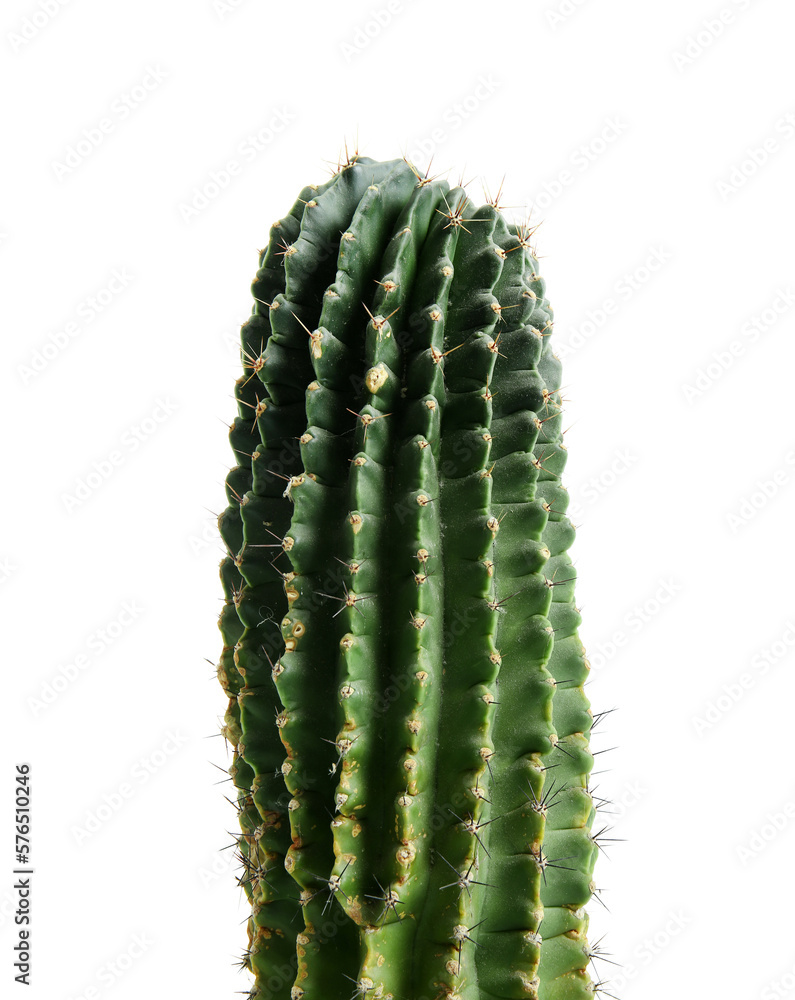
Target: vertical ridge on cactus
{"x":406,"y":708}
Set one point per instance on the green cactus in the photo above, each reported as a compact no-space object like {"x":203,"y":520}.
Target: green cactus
{"x":405,"y":680}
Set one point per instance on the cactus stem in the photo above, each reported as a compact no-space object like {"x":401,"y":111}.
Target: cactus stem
{"x":403,"y":522}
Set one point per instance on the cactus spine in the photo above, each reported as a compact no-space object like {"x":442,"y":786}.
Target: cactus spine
{"x":405,"y":680}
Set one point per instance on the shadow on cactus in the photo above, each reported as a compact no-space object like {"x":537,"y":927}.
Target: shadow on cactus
{"x":405,"y":679}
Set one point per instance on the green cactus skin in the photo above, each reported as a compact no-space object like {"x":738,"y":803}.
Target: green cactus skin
{"x":406,"y":709}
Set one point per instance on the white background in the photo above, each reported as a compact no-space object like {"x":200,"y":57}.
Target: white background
{"x":654,"y":142}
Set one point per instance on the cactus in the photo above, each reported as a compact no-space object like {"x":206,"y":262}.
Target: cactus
{"x":406,"y":709}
